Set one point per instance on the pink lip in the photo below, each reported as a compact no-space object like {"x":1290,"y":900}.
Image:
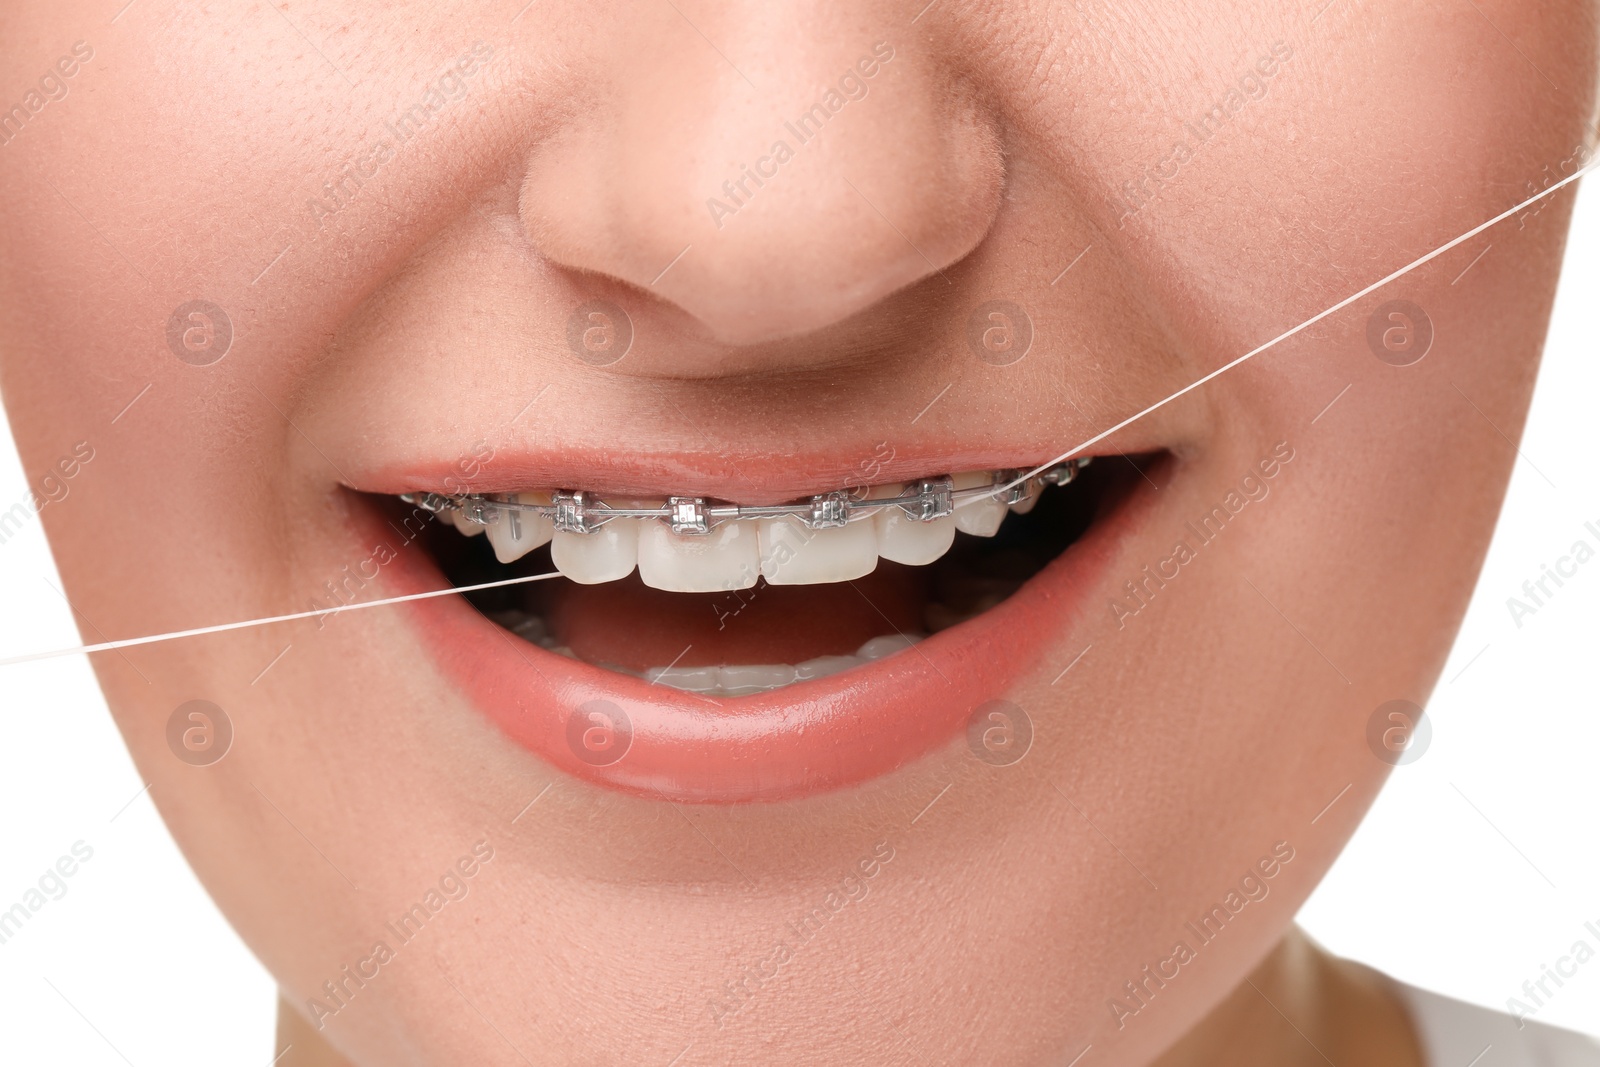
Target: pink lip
{"x":746,"y":478}
{"x":798,"y":741}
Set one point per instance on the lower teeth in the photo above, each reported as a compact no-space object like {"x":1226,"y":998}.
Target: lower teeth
{"x":729,"y":681}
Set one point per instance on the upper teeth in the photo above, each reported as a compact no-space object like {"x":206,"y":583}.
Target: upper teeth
{"x":799,"y":545}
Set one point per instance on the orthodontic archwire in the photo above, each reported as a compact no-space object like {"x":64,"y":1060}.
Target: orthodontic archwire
{"x":581,"y":512}
{"x":444,"y":502}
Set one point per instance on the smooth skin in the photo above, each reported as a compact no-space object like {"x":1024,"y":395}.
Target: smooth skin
{"x":413,"y":318}
{"x":1300,"y":1007}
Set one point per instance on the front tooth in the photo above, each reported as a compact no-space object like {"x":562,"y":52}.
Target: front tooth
{"x":980,"y":517}
{"x":726,"y":558}
{"x":792,"y":554}
{"x":604,"y":554}
{"x":516,"y":533}
{"x":903,"y":539}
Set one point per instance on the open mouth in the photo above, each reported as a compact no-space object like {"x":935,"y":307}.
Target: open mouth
{"x":759,"y":603}
{"x":717,"y":653}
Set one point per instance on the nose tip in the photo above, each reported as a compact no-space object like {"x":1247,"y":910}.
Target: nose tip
{"x":769,"y":214}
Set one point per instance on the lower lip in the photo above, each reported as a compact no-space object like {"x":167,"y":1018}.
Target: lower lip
{"x":805,"y":739}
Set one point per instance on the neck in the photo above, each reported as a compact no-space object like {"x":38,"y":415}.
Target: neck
{"x":301,"y":1045}
{"x":1301,"y":1007}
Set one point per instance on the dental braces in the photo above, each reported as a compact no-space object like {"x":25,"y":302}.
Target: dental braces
{"x":579,"y":511}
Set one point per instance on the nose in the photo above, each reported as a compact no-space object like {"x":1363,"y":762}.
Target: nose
{"x":769,"y":185}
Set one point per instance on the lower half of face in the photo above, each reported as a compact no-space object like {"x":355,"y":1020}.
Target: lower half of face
{"x":989,"y":716}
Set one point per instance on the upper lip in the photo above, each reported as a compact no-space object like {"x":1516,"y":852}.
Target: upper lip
{"x":747,"y":478}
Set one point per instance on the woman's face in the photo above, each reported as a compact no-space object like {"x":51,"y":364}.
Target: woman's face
{"x":498,"y":247}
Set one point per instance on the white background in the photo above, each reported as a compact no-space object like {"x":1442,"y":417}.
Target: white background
{"x":1479,"y":863}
